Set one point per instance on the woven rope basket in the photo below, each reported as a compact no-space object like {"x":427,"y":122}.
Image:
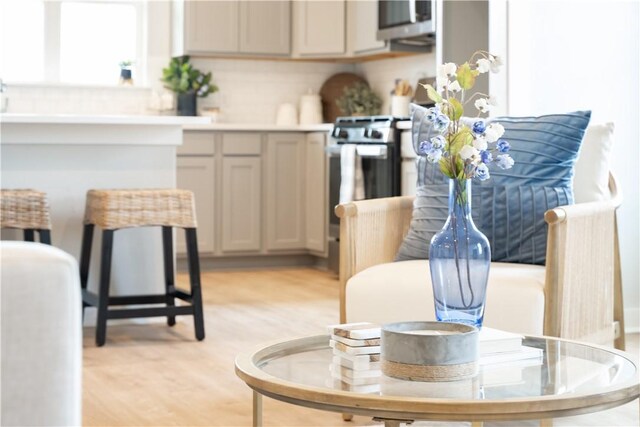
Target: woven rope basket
{"x":112,"y":209}
{"x":24,"y":209}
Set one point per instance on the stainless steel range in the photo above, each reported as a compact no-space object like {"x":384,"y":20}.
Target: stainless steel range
{"x":377,"y":141}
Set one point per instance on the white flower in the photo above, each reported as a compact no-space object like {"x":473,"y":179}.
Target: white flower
{"x":484,"y":65}
{"x":482,"y":104}
{"x":469,"y":153}
{"x":438,"y":142}
{"x":480,"y":143}
{"x":494,"y":132}
{"x":450,"y":68}
{"x":455,"y":87}
{"x":496,"y":63}
{"x":441,"y":83}
{"x":504,"y":161}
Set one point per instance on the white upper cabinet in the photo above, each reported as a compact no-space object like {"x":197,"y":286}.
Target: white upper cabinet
{"x":319,"y":27}
{"x":231,"y":27}
{"x":265,"y":27}
{"x":362,"y":21}
{"x":202,"y":27}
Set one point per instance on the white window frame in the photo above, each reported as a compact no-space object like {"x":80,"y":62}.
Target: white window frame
{"x":52,"y":33}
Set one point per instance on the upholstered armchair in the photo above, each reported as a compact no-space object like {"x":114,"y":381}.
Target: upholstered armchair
{"x":576,"y":295}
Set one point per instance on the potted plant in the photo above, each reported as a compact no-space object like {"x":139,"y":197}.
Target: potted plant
{"x":125,"y":73}
{"x":188,"y":83}
{"x":359,"y":100}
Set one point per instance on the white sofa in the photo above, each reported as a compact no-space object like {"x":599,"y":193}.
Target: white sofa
{"x":41,"y":336}
{"x":577,"y":295}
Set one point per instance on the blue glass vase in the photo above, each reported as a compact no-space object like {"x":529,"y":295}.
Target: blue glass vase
{"x":459,"y":259}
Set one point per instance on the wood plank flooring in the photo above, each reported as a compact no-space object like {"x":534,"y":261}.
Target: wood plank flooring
{"x":153,"y":375}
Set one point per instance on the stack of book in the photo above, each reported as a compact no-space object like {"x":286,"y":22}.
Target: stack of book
{"x":356,"y":357}
{"x":503,"y":358}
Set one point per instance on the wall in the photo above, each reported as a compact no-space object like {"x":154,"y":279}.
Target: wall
{"x":251,"y":91}
{"x":383,"y":73}
{"x":67,"y":99}
{"x":586,"y":55}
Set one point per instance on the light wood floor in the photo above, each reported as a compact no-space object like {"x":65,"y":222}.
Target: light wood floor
{"x":152,"y":375}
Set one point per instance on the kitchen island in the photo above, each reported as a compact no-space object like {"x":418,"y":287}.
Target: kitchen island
{"x":66,"y":155}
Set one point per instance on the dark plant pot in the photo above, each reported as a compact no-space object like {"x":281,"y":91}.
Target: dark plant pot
{"x":187,"y":104}
{"x":125,"y":74}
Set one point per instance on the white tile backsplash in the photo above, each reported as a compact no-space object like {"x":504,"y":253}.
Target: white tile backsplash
{"x":250,"y":90}
{"x":63,"y":99}
{"x":383,"y":73}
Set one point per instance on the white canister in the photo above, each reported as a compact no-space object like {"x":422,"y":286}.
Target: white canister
{"x":310,"y":109}
{"x":287,"y":115}
{"x":400,"y":105}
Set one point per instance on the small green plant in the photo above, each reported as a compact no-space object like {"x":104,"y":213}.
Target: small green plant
{"x":126,"y":65}
{"x":359,"y":99}
{"x":181,"y":77}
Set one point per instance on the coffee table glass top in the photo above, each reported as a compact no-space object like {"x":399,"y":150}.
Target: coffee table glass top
{"x":564,"y":368}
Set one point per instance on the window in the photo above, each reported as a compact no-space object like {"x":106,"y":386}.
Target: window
{"x":70,"y":41}
{"x":22,"y":41}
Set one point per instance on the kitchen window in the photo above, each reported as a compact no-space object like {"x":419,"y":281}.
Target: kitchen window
{"x":71,"y":41}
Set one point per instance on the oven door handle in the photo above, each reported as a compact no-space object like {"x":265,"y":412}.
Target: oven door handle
{"x":371,"y":151}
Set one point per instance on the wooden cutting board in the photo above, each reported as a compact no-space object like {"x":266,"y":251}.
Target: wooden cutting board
{"x":332,"y":89}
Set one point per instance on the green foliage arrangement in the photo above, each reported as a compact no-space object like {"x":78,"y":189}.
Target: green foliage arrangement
{"x":181,"y":77}
{"x":359,"y":99}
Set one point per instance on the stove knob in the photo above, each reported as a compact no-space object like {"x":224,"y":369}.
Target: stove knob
{"x":342,"y":134}
{"x":367,"y":133}
{"x":375,"y":134}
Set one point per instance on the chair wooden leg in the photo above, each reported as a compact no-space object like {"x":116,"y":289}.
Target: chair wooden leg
{"x":169,"y":276}
{"x":45,"y":236}
{"x":29,"y":235}
{"x":194,"y":277}
{"x":85,"y":259}
{"x":105,"y":277}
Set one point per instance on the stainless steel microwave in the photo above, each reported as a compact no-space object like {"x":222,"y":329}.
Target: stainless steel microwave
{"x":408,"y":21}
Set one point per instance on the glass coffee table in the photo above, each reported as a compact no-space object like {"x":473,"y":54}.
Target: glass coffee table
{"x":571,"y":378}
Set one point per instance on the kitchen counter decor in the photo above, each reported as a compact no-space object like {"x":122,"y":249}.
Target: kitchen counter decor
{"x":463,"y":148}
{"x":429,"y":351}
{"x":188,"y":83}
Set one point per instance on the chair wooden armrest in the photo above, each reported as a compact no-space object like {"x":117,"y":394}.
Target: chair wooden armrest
{"x":583,"y":286}
{"x":371,"y":232}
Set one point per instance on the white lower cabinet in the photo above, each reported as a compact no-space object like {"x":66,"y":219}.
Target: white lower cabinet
{"x":284,"y":191}
{"x":196,"y":172}
{"x":315,"y":193}
{"x":241,"y":204}
{"x":257,"y":193}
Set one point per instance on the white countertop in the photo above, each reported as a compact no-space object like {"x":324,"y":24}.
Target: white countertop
{"x":260,"y":127}
{"x":79,"y":119}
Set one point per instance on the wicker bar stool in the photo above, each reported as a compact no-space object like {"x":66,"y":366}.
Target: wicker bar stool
{"x":27,"y":210}
{"x":115,"y":209}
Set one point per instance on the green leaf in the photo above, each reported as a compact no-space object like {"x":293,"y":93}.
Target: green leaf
{"x":459,"y":140}
{"x":457,"y":109}
{"x":465,"y":76}
{"x":433,"y":94}
{"x":445,"y":167}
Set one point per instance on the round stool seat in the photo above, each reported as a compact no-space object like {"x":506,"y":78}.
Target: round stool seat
{"x":113,"y":209}
{"x":24,"y":209}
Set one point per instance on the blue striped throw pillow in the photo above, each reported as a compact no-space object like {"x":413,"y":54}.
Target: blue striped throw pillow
{"x":508,"y":208}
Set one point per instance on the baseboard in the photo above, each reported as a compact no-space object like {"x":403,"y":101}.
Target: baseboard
{"x":632,"y":320}
{"x":254,"y":262}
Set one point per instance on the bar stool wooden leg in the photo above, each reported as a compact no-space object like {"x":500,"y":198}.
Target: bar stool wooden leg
{"x":45,"y":236}
{"x":85,"y":259}
{"x":169,"y":276}
{"x":105,"y":277}
{"x":194,"y":278}
{"x":29,"y":235}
